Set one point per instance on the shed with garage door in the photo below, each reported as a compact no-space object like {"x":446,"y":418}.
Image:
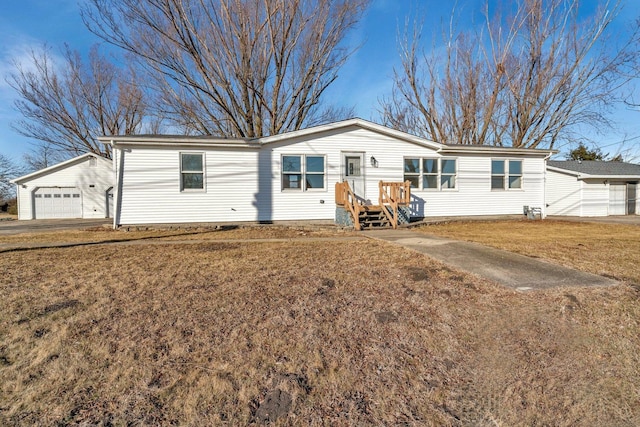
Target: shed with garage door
{"x":81,"y":187}
{"x":592,"y":188}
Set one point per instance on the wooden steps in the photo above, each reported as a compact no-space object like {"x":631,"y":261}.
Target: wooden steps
{"x":373,"y":217}
{"x":392,"y":195}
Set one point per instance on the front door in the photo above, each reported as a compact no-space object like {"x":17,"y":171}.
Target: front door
{"x":631,"y":198}
{"x":353,"y":172}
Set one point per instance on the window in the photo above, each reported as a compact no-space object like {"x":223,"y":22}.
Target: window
{"x":302,"y":172}
{"x":191,"y":171}
{"x":448,"y":176}
{"x":432,"y":174}
{"x":515,"y":173}
{"x":412,"y":172}
{"x":497,"y":174}
{"x":506,"y":174}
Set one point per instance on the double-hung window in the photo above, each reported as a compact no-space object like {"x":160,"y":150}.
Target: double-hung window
{"x":303,"y":172}
{"x":515,"y":173}
{"x":431,"y":173}
{"x":506,"y":174}
{"x":412,"y":172}
{"x":191,"y":171}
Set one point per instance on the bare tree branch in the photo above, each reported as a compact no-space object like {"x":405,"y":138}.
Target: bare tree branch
{"x":525,"y":80}
{"x":66,"y":105}
{"x":234,"y":67}
{"x":8,"y":171}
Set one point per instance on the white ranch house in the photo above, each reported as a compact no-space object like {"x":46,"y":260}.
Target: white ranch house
{"x":77,"y":188}
{"x":293,"y":176}
{"x":592,"y":188}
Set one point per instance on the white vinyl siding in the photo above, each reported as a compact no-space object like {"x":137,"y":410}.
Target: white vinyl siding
{"x":245,"y":184}
{"x":90,"y":182}
{"x":568,"y":195}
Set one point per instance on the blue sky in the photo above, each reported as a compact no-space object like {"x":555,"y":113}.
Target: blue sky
{"x":27,"y":24}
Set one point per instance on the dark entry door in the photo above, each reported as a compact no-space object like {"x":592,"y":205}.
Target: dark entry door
{"x":631,"y":198}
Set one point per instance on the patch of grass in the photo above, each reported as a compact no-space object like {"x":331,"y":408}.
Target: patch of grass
{"x":102,"y":234}
{"x":337,"y":333}
{"x":605,"y":249}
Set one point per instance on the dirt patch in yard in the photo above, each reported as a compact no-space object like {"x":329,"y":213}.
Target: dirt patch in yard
{"x":303,"y":333}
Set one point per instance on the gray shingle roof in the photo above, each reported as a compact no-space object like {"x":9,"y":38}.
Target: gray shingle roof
{"x":601,"y":168}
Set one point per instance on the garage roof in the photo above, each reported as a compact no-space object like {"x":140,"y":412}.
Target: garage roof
{"x":596,"y":169}
{"x":57,"y":167}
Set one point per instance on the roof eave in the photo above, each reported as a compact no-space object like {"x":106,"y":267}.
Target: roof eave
{"x":357,"y":122}
{"x":584,"y":176}
{"x":173,"y":142}
{"x":57,"y":166}
{"x":490,"y":149}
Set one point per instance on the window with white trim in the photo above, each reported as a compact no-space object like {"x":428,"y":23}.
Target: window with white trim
{"x":431,"y":173}
{"x":191,"y":171}
{"x":303,"y":172}
{"x":506,"y":174}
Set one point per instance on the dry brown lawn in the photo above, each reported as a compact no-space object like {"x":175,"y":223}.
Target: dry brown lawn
{"x":323,"y":333}
{"x":104,"y":235}
{"x":611,"y":250}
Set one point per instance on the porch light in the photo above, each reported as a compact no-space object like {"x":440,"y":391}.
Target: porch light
{"x":374,"y":162}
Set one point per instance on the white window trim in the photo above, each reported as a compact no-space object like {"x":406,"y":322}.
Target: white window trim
{"x":507,"y":174}
{"x":303,"y":173}
{"x":204,"y":176}
{"x":421,"y":174}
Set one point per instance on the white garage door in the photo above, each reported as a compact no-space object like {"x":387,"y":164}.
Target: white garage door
{"x":65,"y":202}
{"x":617,"y":199}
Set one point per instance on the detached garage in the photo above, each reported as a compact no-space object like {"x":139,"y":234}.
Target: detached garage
{"x":592,"y":188}
{"x":77,"y":188}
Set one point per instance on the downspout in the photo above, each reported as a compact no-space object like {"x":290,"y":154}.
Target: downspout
{"x":118,"y":165}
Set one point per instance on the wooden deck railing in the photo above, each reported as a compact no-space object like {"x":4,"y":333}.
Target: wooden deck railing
{"x":346,"y":197}
{"x":393,"y":194}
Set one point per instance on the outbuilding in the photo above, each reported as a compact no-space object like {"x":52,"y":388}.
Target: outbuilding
{"x":301,"y":175}
{"x":592,"y":188}
{"x":81,"y":187}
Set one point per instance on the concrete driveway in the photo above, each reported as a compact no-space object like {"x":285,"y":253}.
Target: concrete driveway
{"x":510,"y":269}
{"x":618,"y":219}
{"x":43,"y":225}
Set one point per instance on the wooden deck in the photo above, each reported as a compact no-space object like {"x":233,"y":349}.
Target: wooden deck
{"x":391,"y":195}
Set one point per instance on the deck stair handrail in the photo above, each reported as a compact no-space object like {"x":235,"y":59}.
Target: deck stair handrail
{"x":393,"y":195}
{"x":347,"y":198}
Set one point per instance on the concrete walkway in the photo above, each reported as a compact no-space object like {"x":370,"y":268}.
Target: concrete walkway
{"x":509,"y":269}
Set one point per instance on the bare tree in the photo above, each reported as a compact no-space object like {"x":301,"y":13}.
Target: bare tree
{"x":235,"y":67}
{"x":68,"y":104}
{"x":524,"y":81}
{"x":42,"y":156}
{"x":8,"y":171}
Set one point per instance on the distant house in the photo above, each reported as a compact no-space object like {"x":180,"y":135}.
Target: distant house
{"x":77,"y":188}
{"x":293,"y":176}
{"x":592,"y":188}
